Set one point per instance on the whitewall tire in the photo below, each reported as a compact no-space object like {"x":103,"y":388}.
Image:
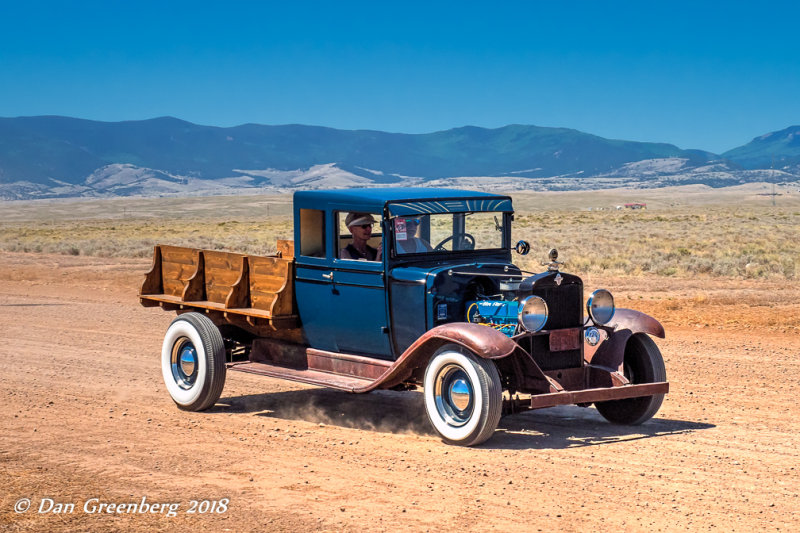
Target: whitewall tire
{"x":193,"y":362}
{"x":463,"y":396}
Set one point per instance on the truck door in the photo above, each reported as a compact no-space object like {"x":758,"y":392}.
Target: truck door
{"x":313,"y":278}
{"x":359,"y":298}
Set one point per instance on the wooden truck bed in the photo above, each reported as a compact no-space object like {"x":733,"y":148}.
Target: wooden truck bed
{"x":241,"y":287}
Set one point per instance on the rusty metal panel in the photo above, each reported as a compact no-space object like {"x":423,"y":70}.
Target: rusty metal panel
{"x":350,"y":365}
{"x":568,"y":378}
{"x":626,"y":322}
{"x":484,"y":341}
{"x":600,"y":377}
{"x":611,"y":352}
{"x":598,"y":395}
{"x":481,"y":340}
{"x":636,"y":322}
{"x":562,"y":340}
{"x":345,"y":383}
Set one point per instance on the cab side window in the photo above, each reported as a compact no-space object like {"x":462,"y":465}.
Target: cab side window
{"x":312,"y":232}
{"x":359,"y":235}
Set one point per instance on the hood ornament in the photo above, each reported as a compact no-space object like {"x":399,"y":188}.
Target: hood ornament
{"x":554,"y":264}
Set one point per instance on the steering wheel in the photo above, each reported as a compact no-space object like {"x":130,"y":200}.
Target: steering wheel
{"x":465,"y":238}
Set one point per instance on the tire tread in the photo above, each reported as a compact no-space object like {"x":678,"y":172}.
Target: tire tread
{"x":214,"y":347}
{"x":636,"y":411}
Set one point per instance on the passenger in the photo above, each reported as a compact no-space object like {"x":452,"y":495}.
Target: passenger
{"x":413,"y":244}
{"x":360,"y":225}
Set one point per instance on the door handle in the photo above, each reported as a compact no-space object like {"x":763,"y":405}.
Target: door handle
{"x":328,"y":276}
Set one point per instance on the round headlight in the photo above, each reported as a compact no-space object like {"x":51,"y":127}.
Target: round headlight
{"x":532,"y":313}
{"x":601,"y":307}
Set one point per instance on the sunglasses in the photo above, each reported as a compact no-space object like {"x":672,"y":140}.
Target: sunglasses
{"x":365,"y":226}
{"x":416,"y":221}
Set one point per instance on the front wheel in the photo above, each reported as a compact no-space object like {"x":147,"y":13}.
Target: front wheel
{"x":193,"y":362}
{"x":463,"y":396}
{"x":642,"y":364}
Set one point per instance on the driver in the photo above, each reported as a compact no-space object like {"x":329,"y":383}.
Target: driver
{"x":360,"y":225}
{"x":413,"y":244}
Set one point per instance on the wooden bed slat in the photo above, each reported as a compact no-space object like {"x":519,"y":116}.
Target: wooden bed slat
{"x":255,"y":286}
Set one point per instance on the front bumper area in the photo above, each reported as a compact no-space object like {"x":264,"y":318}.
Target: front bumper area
{"x":586,"y":396}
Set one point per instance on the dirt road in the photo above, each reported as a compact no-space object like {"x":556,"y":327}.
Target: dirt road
{"x":86,"y":420}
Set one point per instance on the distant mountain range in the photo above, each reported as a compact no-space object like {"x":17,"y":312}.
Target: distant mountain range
{"x":779,"y":149}
{"x":49,"y":156}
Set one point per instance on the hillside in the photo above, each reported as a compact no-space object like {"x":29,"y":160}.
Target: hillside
{"x":778,"y":149}
{"x":50,"y":156}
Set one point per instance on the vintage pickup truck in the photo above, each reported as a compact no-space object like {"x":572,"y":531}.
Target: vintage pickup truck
{"x":434,"y":301}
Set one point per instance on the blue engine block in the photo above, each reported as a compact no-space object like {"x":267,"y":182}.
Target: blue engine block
{"x":499,"y":314}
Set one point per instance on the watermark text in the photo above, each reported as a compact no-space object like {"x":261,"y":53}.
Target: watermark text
{"x":139,"y":506}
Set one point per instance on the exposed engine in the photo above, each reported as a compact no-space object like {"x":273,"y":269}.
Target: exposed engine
{"x":500,"y":311}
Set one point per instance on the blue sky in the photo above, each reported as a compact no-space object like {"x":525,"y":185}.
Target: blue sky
{"x":707,"y":75}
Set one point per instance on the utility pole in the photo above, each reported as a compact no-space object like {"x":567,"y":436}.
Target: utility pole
{"x":772,"y":175}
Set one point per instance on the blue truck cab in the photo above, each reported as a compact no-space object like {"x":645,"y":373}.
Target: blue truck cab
{"x":406,"y":289}
{"x":380,"y":307}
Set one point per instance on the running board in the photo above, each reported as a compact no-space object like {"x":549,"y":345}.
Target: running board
{"x":539,"y":401}
{"x":311,"y":377}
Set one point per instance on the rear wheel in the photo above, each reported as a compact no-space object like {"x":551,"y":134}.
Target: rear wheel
{"x":463,"y":396}
{"x":193,"y":362}
{"x":643,"y":364}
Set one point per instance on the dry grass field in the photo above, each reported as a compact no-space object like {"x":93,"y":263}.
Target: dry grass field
{"x":85,"y":413}
{"x":684,"y":232}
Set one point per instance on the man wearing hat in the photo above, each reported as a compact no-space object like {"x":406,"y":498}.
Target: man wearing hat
{"x":360,"y":225}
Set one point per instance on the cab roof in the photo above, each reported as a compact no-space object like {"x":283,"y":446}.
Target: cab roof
{"x":377,"y":198}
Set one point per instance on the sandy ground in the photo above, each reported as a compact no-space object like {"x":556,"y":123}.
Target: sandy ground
{"x":86,"y":420}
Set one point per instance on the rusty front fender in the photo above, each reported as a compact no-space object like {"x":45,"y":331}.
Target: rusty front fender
{"x":637,"y":322}
{"x":483,"y":341}
{"x":610,"y":353}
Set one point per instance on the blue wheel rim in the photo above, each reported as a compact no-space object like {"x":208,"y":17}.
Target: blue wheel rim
{"x":454,"y":395}
{"x":184,"y":363}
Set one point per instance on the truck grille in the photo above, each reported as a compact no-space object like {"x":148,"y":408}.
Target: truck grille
{"x":565,"y":307}
{"x":564,"y":303}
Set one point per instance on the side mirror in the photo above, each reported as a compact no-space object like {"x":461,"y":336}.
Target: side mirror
{"x":522,"y":247}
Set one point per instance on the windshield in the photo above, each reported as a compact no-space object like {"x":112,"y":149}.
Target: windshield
{"x":448,"y":232}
